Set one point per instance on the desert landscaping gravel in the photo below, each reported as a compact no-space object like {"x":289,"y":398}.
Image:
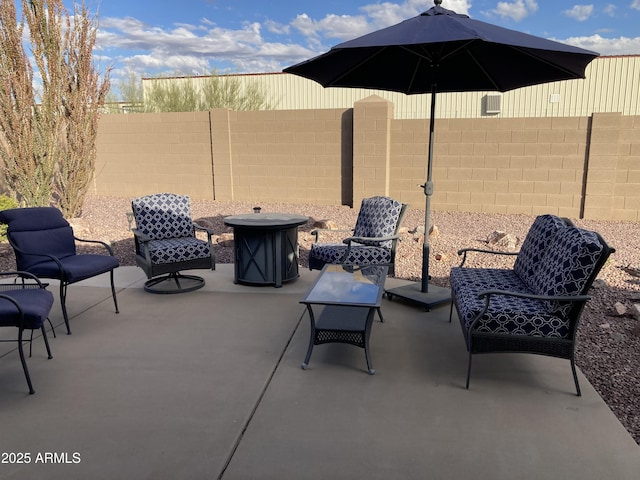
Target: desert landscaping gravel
{"x":608,"y":347}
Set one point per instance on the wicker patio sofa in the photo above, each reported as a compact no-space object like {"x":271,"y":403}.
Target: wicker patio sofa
{"x":535,"y":307}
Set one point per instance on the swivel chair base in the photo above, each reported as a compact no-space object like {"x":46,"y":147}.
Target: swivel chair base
{"x":173,"y":283}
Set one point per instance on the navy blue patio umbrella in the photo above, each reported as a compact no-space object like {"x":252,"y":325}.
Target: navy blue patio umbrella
{"x":443,"y":51}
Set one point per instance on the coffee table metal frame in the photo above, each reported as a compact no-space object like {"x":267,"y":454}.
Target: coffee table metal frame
{"x":349,"y":296}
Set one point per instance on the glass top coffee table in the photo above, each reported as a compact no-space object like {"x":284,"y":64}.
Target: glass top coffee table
{"x":345,"y":298}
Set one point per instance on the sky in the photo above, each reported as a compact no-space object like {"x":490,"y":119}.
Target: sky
{"x":194,"y":37}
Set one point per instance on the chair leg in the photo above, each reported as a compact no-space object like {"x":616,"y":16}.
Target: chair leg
{"x":113,"y":293}
{"x":53,"y":330}
{"x":44,"y":337}
{"x":575,"y":377}
{"x":451,"y":311}
{"x":469,"y":370}
{"x":63,"y":302}
{"x":380,"y":314}
{"x":24,"y":362}
{"x":46,"y":343}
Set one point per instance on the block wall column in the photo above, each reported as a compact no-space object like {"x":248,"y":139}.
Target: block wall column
{"x":372,"y":118}
{"x":221,"y":154}
{"x":601,"y":166}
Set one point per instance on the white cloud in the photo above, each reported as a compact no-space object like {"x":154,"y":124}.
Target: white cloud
{"x":606,"y":46}
{"x":516,"y":11}
{"x":635,"y":4}
{"x":194,"y":49}
{"x":610,"y":9}
{"x":579,"y":12}
{"x":341,"y":27}
{"x":277,"y":28}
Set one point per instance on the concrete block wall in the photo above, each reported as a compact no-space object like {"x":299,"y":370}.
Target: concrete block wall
{"x":274,"y":156}
{"x":138,"y":154}
{"x":573,"y":166}
{"x":612,"y":186}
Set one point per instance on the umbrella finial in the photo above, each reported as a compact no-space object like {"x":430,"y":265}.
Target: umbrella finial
{"x":437,"y":2}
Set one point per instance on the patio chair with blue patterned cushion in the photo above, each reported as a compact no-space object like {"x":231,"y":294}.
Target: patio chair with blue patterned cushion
{"x":374,"y":238}
{"x":45,"y":246}
{"x":25,"y":303}
{"x":166,"y":243}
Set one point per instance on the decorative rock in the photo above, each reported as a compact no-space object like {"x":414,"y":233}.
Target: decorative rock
{"x":621,"y":310}
{"x":635,"y":311}
{"x":620,"y":337}
{"x":599,"y":283}
{"x":325,"y":224}
{"x":418,"y":233}
{"x":225,"y":240}
{"x":503,"y":239}
{"x":80,"y":228}
{"x":605,"y":326}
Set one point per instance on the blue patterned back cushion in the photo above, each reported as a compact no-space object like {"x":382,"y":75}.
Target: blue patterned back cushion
{"x":535,"y":245}
{"x":163,"y":215}
{"x":567,"y":265}
{"x":378,"y":217}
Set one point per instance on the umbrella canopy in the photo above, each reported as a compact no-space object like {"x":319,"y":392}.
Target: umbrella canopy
{"x":450,"y":50}
{"x":443,"y":51}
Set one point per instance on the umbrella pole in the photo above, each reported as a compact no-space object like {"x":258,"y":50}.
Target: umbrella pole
{"x":421,"y":292}
{"x":428,"y":191}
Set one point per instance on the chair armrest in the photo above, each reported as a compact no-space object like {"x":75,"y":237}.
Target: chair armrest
{"x":25,"y":276}
{"x":317,"y":231}
{"x":369,"y":239}
{"x":201,"y":228}
{"x":464,"y":252}
{"x":46,"y":255}
{"x":99,"y":242}
{"x":140,"y":236}
{"x":557,"y":298}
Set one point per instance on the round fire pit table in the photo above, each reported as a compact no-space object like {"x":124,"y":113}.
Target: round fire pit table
{"x":266,"y":247}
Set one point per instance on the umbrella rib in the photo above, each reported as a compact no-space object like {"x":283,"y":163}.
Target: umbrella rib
{"x":486,"y":74}
{"x":355,"y":67}
{"x":552,"y":64}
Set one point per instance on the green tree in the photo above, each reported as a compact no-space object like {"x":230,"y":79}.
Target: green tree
{"x":52,"y":156}
{"x":131,"y":97}
{"x":196,"y":95}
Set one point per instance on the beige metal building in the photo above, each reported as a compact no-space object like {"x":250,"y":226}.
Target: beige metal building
{"x":612,"y":84}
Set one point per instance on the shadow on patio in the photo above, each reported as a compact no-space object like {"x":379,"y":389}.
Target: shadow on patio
{"x":209,"y":385}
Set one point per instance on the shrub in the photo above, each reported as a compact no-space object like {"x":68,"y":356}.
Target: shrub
{"x":5,"y":203}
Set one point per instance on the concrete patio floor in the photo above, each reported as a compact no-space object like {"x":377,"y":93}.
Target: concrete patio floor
{"x":208,"y":385}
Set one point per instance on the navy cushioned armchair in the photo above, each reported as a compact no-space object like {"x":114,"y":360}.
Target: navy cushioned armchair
{"x":25,"y":304}
{"x":166,"y":243}
{"x":44,"y":245}
{"x":374,"y":238}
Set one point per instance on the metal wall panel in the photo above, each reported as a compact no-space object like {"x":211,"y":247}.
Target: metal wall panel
{"x":612,"y":84}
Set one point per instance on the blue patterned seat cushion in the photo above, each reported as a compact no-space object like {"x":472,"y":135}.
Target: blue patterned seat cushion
{"x":177,"y":250}
{"x":358,"y":255}
{"x":506,"y":314}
